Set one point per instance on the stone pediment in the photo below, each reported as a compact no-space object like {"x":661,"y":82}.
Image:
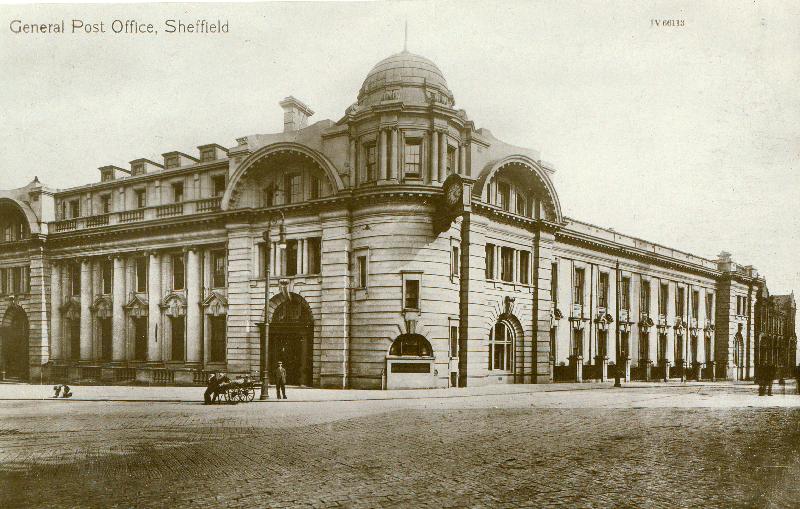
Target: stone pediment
{"x":216,"y":304}
{"x":71,"y":310}
{"x":102,"y":307}
{"x":174,"y":305}
{"x":137,"y":306}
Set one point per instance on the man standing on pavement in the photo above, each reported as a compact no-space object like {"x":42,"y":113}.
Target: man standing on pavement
{"x":211,"y":389}
{"x":280,"y":381}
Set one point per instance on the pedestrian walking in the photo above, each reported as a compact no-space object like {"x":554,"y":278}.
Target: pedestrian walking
{"x":280,"y":381}
{"x":63,"y":390}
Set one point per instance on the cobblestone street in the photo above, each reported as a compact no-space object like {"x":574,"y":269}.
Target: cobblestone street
{"x":650,"y":446}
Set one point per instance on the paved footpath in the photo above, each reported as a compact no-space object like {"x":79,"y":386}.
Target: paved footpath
{"x":571,"y":445}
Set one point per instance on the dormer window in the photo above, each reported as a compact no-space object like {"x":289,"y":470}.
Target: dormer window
{"x":172,"y":161}
{"x":106,"y":175}
{"x":137,"y":169}
{"x":207,"y":154}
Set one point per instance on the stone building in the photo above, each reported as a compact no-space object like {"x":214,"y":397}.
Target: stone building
{"x":404,"y":247}
{"x":776,"y":334}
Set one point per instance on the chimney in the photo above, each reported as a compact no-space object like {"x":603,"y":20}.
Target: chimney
{"x":295,"y":114}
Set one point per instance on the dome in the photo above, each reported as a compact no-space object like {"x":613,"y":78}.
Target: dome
{"x":405,"y":77}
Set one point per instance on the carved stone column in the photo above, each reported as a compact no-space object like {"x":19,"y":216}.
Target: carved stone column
{"x":56,"y":339}
{"x":154,"y":332}
{"x":86,"y":312}
{"x":118,"y":349}
{"x":194,"y":336}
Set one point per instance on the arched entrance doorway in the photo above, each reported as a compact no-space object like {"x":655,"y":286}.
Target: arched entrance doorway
{"x":291,"y":340}
{"x":14,"y":337}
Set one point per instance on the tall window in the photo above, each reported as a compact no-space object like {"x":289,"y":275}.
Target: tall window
{"x":489,"y":255}
{"x":525,"y":267}
{"x":293,"y":188}
{"x":644,"y":348}
{"x":178,"y":324}
{"x":74,"y":208}
{"x":314,"y":187}
{"x":75,"y":278}
{"x":644,"y":298}
{"x":362,"y":271}
{"x":709,"y":306}
{"x":217,"y":353}
{"x":522,"y":204}
{"x":3,"y":281}
{"x":577,"y":343}
{"x":454,"y":341}
{"x":178,"y":272}
{"x":695,"y":303}
{"x":141,"y":274}
{"x":451,"y":160}
{"x":314,"y":255}
{"x":507,"y":264}
{"x":291,"y":257}
{"x":663,"y":295}
{"x":503,"y":195}
{"x":16,"y":280}
{"x":412,"y":158}
{"x":411,"y":294}
{"x":218,"y":184}
{"x":107,"y":273}
{"x":177,"y":192}
{"x":500,"y":347}
{"x":372,"y":161}
{"x":455,"y":261}
{"x":218,"y":268}
{"x":105,"y":203}
{"x":625,"y":293}
{"x":602,"y":293}
{"x":577,"y":287}
{"x":680,"y":301}
{"x":554,"y":284}
{"x":141,"y":198}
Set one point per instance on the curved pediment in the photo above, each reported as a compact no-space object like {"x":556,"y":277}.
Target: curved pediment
{"x":174,"y":305}
{"x":102,"y":307}
{"x":137,"y":306}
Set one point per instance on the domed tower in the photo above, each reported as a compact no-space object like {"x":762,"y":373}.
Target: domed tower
{"x":403,"y":127}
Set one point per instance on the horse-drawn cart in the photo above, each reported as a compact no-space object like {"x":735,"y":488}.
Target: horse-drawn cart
{"x":242,"y":391}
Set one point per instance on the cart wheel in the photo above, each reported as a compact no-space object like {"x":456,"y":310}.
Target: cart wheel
{"x":241,"y":395}
{"x":251,"y":394}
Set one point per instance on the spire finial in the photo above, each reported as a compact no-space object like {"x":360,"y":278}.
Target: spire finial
{"x":405,"y":37}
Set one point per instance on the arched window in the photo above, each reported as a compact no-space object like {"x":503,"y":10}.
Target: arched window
{"x":411,"y":345}
{"x":501,"y":347}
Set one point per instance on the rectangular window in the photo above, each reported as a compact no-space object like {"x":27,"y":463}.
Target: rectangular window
{"x":554,"y":284}
{"x":500,"y":348}
{"x":455,"y":261}
{"x":489,"y":255}
{"x":3,"y":281}
{"x":75,"y":278}
{"x":108,"y":276}
{"x":74,"y":208}
{"x":314,"y":188}
{"x":171,"y":162}
{"x":141,"y":274}
{"x":105,"y":203}
{"x":362,"y":271}
{"x":178,"y":272}
{"x":291,"y":258}
{"x":292,"y":188}
{"x":503,"y":195}
{"x":208,"y":154}
{"x":577,"y":287}
{"x":454,"y":341}
{"x":506,"y":264}
{"x":177,"y":192}
{"x":372,"y":162}
{"x":709,"y":306}
{"x":625,"y":293}
{"x":602,"y":293}
{"x":577,"y":343}
{"x":522,"y":204}
{"x":663,"y":295}
{"x":218,"y":184}
{"x":106,"y":175}
{"x":695,"y":303}
{"x":141,"y":198}
{"x":412,"y":294}
{"x":412,"y":158}
{"x":451,"y":160}
{"x":269,"y":195}
{"x":680,"y":301}
{"x":218,"y":268}
{"x":314,"y":245}
{"x":644,"y":298}
{"x":217,"y":353}
{"x":137,"y":169}
{"x":524,"y":267}
{"x":178,"y":324}
{"x":16,"y":280}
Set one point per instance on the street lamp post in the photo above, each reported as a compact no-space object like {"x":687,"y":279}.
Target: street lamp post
{"x":265,"y":337}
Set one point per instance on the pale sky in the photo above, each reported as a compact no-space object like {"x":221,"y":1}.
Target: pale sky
{"x":686,"y":135}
